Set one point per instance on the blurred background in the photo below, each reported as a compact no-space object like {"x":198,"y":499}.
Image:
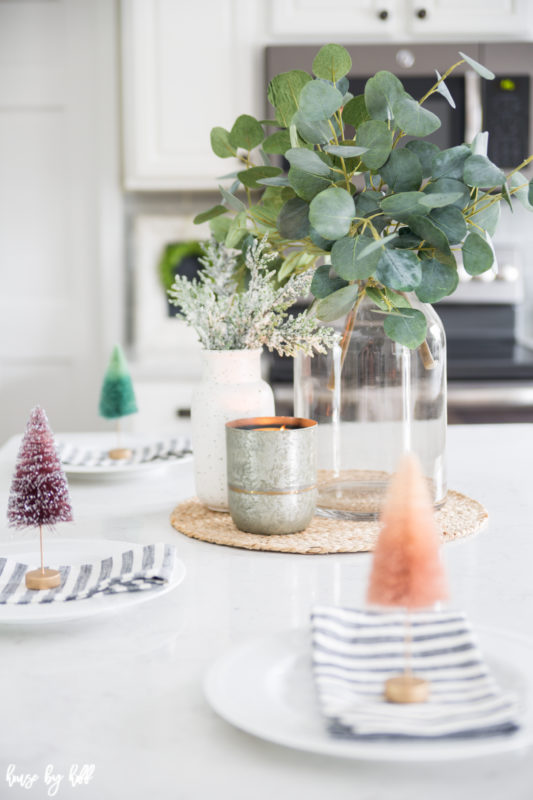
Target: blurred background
{"x":105,"y":114}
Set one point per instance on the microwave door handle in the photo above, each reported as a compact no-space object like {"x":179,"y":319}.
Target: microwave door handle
{"x":473,"y":105}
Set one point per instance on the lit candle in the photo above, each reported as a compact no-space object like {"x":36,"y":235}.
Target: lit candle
{"x":271,"y":464}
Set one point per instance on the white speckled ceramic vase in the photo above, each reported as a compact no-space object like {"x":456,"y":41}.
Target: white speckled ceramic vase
{"x":231,"y":388}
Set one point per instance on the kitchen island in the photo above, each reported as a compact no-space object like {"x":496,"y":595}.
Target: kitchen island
{"x":123,"y":691}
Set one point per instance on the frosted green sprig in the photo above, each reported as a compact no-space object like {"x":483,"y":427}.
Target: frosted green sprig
{"x":226,"y":317}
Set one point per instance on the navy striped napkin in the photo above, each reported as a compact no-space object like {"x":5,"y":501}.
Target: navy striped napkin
{"x":163,"y":450}
{"x":137,"y":569}
{"x":355,"y":651}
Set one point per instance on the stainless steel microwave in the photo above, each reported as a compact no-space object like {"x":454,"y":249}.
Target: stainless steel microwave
{"x":502,"y":106}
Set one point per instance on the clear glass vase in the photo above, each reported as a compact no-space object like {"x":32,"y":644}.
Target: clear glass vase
{"x":374,"y":399}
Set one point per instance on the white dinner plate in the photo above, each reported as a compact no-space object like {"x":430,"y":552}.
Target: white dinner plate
{"x":265,"y":687}
{"x":77,"y":551}
{"x":119,"y":470}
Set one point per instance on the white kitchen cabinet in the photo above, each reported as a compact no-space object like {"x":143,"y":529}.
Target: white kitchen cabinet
{"x":186,"y":68}
{"x":297,"y":18}
{"x":352,"y":21}
{"x":467,"y":18}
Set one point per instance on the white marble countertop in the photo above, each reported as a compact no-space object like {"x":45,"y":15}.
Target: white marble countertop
{"x":124,"y":691}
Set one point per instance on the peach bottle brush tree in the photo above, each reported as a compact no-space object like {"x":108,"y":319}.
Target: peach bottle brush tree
{"x":117,"y":398}
{"x":407,"y":571}
{"x":39,"y":491}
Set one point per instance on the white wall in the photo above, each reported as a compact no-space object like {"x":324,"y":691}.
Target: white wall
{"x":61,"y":261}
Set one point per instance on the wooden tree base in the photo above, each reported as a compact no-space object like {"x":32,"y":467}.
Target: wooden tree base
{"x":49,"y":579}
{"x":406,"y":689}
{"x":119,"y":453}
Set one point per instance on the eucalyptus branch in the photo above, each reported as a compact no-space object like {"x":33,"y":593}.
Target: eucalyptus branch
{"x":441,"y":79}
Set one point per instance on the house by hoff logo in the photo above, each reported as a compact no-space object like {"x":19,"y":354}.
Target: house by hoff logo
{"x":77,"y":775}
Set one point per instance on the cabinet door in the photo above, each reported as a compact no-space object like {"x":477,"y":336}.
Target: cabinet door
{"x":346,"y":18}
{"x":186,"y":68}
{"x":462,"y":18}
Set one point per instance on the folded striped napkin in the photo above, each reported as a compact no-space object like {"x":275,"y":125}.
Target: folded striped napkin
{"x":163,"y":450}
{"x":137,"y":569}
{"x":355,"y":651}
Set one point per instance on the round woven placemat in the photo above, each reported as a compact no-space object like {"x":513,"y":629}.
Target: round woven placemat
{"x":458,"y":517}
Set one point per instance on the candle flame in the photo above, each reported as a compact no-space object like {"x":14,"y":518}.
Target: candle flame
{"x":283,"y":428}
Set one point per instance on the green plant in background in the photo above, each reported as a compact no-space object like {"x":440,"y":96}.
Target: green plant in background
{"x":391,"y":215}
{"x":171,"y":259}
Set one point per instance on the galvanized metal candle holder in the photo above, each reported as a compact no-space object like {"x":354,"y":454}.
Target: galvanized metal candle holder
{"x":271,"y":464}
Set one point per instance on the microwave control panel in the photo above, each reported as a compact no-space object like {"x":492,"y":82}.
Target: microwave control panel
{"x":506,"y":116}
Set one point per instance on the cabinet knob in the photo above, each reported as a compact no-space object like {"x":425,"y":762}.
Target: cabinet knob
{"x":421,"y":13}
{"x":383,"y":14}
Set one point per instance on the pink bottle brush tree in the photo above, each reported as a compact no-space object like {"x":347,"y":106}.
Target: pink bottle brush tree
{"x":407,"y":571}
{"x":39,"y":491}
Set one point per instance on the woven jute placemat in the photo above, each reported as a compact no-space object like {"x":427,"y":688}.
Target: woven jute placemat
{"x":458,"y":517}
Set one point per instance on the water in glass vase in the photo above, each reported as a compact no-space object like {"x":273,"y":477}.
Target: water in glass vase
{"x":375,"y":399}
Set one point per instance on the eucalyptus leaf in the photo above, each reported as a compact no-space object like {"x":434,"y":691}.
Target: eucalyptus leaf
{"x":355,"y":112}
{"x":345,"y":150}
{"x":314,"y":132}
{"x":316,"y":238}
{"x":488,"y":217}
{"x":406,"y":240}
{"x":399,"y":269}
{"x":368,"y":202}
{"x":381,"y":93}
{"x":507,"y":197}
{"x":331,"y":213}
{"x":413,"y":118}
{"x":277,"y":143}
{"x":530,"y":192}
{"x":343,"y":84}
{"x":295,"y":262}
{"x":323,"y":284}
{"x":232,"y":201}
{"x":385,"y":298}
{"x":480,"y":171}
{"x":407,"y":327}
{"x":351,"y":260}
{"x":307,"y":161}
{"x":332,"y":62}
{"x":438,"y":281}
{"x":429,"y":232}
{"x":249,"y":177}
{"x":306,"y":185}
{"x":246,"y":132}
{"x":377,"y":138}
{"x":443,"y":90}
{"x":404,"y":203}
{"x":449,"y":186}
{"x":477,"y":67}
{"x":425,"y":152}
{"x":451,"y":222}
{"x":522,"y":194}
{"x":319,"y":100}
{"x":402,"y":171}
{"x":293,"y":219}
{"x":441,"y":199}
{"x":450,"y":163}
{"x":219,"y":227}
{"x":211,"y":213}
{"x":220,"y":143}
{"x":477,"y":254}
{"x":338,"y":304}
{"x":280,"y":180}
{"x":283,"y":93}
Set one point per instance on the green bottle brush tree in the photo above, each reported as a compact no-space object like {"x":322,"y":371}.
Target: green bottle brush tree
{"x":391,"y":215}
{"x":117,"y":398}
